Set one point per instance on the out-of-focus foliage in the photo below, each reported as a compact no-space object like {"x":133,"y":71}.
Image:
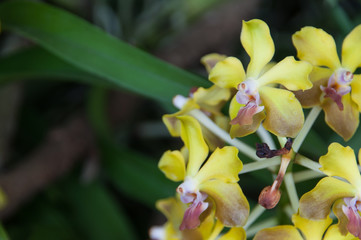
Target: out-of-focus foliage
{"x":70,"y":64}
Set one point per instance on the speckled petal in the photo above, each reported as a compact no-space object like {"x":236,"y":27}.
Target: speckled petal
{"x":351,"y":48}
{"x":290,"y":73}
{"x":234,"y":234}
{"x":210,"y":60}
{"x":311,"y":229}
{"x":317,"y":47}
{"x":341,"y":161}
{"x":284,"y":114}
{"x":232,"y":207}
{"x":172,"y":164}
{"x":192,"y":137}
{"x":257,"y":41}
{"x":223,"y":164}
{"x":345,"y":122}
{"x":244,"y":130}
{"x":316,"y":204}
{"x":356,"y":90}
{"x":284,"y":232}
{"x":227,"y":73}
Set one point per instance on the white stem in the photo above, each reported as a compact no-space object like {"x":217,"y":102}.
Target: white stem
{"x":250,"y":167}
{"x":306,"y":175}
{"x":308,"y":163}
{"x":289,"y":211}
{"x":282,"y":141}
{"x":291,"y":190}
{"x":311,"y":118}
{"x":266,"y":137}
{"x":271,"y":222}
{"x":255,"y":213}
{"x":214,"y":128}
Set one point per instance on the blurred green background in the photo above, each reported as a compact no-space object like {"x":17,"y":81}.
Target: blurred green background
{"x":80,"y":111}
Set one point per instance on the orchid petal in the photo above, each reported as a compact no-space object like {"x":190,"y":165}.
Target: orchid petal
{"x":234,"y":234}
{"x":172,"y":208}
{"x":356,"y":90}
{"x":359,"y":157}
{"x":243,"y":130}
{"x":284,"y":232}
{"x":232,"y":207}
{"x":316,"y":47}
{"x":227,"y":73}
{"x":223,"y":164}
{"x":316,"y":204}
{"x":210,"y":60}
{"x":341,"y":161}
{"x":311,"y":229}
{"x":342,"y":218}
{"x":333,"y":233}
{"x":351,"y":48}
{"x":192,"y":137}
{"x":171,"y":121}
{"x":311,"y":97}
{"x":290,"y":73}
{"x":257,"y":41}
{"x":212,"y":140}
{"x":211,"y":99}
{"x":345,"y":122}
{"x":284,"y":114}
{"x":172,"y":164}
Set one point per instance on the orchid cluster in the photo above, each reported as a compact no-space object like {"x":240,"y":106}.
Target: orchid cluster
{"x":266,"y":98}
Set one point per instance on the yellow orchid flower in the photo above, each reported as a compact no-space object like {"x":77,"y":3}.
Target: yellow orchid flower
{"x":255,"y":95}
{"x":210,"y":101}
{"x":205,"y":182}
{"x":336,"y":89}
{"x":338,"y":162}
{"x":209,"y":229}
{"x":310,"y":229}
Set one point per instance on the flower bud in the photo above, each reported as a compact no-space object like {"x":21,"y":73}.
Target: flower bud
{"x":269,"y":197}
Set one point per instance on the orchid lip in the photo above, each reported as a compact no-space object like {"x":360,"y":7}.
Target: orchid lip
{"x":338,"y":86}
{"x":351,"y":209}
{"x":248,"y":92}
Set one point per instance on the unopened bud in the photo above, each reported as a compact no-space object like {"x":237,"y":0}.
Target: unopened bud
{"x":269,"y":197}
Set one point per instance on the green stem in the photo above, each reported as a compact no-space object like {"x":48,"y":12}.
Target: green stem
{"x":308,"y":163}
{"x":311,"y":118}
{"x":266,"y":137}
{"x":291,"y":190}
{"x":250,"y":167}
{"x":271,"y":222}
{"x":255,"y":213}
{"x":179,"y":101}
{"x":214,"y":128}
{"x":306,"y":175}
{"x":288,"y":210}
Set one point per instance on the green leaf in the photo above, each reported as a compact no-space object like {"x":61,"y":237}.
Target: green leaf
{"x":97,"y":213}
{"x":92,"y":50}
{"x":134,"y":174}
{"x":21,"y":65}
{"x":3,"y":234}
